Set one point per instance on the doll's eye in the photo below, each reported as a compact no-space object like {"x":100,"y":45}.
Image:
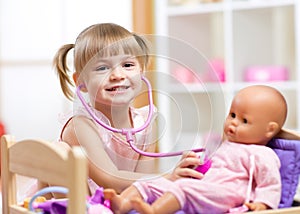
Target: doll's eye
{"x":245,"y":121}
{"x":232,"y":115}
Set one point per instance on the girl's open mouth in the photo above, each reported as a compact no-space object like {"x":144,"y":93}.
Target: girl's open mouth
{"x":118,"y":88}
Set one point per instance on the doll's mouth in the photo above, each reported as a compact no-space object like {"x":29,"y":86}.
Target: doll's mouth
{"x":230,"y":131}
{"x":117,"y":88}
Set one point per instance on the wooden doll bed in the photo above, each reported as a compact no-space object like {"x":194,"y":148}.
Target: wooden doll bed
{"x":292,"y":210}
{"x":47,"y":163}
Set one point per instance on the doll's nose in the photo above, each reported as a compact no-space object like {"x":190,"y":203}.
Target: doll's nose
{"x":234,"y":122}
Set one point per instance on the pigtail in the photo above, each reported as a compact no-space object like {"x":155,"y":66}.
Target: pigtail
{"x":60,"y":64}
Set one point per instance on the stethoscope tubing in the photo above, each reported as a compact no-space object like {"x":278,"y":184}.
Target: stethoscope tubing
{"x":128,"y":133}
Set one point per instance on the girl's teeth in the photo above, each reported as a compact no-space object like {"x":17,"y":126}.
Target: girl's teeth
{"x":118,"y":88}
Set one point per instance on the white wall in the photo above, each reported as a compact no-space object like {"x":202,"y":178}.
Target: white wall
{"x":30,"y":33}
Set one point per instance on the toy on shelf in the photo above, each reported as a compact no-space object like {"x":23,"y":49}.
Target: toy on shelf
{"x":266,"y":73}
{"x":183,"y":75}
{"x":215,"y":72}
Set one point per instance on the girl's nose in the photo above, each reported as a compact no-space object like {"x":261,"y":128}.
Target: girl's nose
{"x":117,"y":74}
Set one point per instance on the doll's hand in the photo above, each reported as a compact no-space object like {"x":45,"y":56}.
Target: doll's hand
{"x":256,"y":206}
{"x":185,"y":167}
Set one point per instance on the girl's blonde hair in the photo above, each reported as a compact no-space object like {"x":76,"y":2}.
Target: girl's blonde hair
{"x":99,"y":40}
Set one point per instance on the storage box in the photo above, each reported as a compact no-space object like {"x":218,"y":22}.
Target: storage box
{"x":266,"y":73}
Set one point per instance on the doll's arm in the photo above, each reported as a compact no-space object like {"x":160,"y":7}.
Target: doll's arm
{"x":256,"y":206}
{"x":267,"y":178}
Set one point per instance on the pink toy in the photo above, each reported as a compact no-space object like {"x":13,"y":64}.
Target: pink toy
{"x":266,"y":73}
{"x":203,"y":168}
{"x":183,"y":75}
{"x":219,"y":69}
{"x":215,"y":71}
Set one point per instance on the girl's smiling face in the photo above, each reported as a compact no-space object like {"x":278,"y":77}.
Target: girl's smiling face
{"x":115,"y":80}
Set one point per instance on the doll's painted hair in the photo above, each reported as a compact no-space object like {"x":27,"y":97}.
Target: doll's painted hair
{"x":99,"y":40}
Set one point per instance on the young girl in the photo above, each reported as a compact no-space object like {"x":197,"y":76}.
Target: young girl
{"x":256,"y":115}
{"x":109,"y":62}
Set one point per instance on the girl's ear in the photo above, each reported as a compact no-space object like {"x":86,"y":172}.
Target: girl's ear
{"x":79,"y":82}
{"x":272,"y":129}
{"x":75,"y":78}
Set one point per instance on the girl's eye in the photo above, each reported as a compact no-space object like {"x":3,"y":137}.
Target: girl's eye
{"x":245,"y":121}
{"x":232,"y":115}
{"x":128,"y":65}
{"x":102,"y":68}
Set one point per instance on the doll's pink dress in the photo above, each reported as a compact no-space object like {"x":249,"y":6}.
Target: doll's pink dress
{"x":225,"y":184}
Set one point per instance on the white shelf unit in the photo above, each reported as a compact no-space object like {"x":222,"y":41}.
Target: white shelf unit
{"x":240,"y":32}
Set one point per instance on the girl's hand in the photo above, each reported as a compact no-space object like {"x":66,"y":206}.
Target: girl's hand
{"x":185,"y":167}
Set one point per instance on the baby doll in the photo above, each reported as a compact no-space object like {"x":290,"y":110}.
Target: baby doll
{"x":256,"y":115}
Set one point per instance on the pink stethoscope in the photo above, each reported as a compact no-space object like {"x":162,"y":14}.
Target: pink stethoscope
{"x":128,"y":133}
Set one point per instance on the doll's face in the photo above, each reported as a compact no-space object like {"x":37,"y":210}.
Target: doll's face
{"x":250,"y":118}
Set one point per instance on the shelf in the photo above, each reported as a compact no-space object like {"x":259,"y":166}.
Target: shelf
{"x":195,"y":9}
{"x":201,"y":8}
{"x":217,"y":87}
{"x":260,"y":4}
{"x":282,"y":86}
{"x":195,"y":87}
